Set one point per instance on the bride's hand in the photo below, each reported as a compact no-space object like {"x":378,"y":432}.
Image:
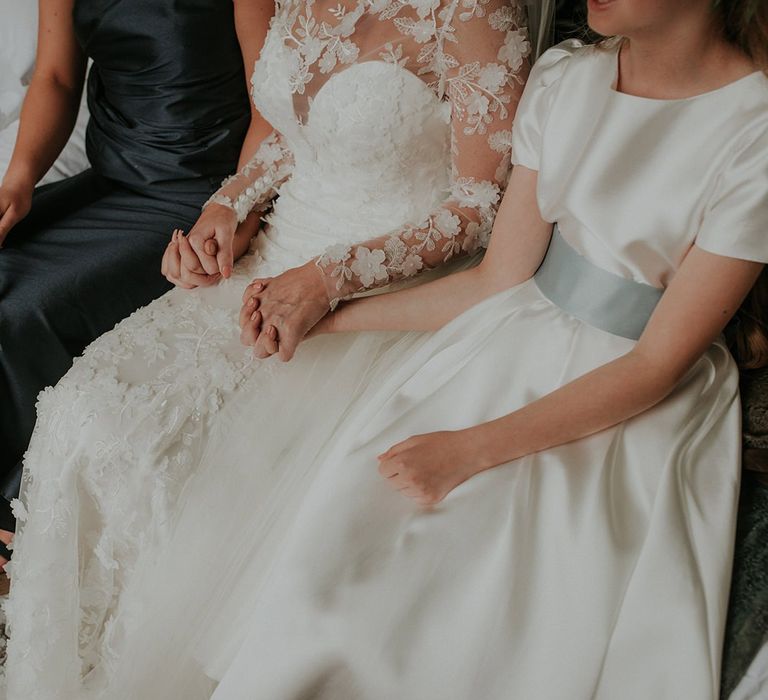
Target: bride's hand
{"x":428,"y":467}
{"x":181,"y":267}
{"x":215,"y":231}
{"x":286,"y":307}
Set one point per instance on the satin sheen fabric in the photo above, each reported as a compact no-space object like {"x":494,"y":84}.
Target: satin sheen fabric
{"x":597,"y":569}
{"x":166,"y":91}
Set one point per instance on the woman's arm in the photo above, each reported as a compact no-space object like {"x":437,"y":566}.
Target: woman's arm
{"x":49,"y":111}
{"x":252,"y":18}
{"x":483,"y":84}
{"x":518,"y":244}
{"x":265,"y":162}
{"x":708,"y":288}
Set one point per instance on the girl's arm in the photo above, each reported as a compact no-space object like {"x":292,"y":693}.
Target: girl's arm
{"x":518,"y":244}
{"x":49,"y":111}
{"x":708,"y":288}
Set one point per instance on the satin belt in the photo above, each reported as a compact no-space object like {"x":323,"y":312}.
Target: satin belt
{"x":600,"y":298}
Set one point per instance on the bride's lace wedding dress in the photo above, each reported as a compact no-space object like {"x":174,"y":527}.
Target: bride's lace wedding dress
{"x":393,"y":127}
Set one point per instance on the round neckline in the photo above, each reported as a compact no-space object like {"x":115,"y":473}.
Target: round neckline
{"x":672,"y":100}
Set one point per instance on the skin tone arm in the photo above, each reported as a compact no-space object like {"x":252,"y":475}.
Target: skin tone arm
{"x":707,"y":287}
{"x":216,"y":240}
{"x":49,"y":111}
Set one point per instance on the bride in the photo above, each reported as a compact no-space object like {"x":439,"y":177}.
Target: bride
{"x":393,"y":127}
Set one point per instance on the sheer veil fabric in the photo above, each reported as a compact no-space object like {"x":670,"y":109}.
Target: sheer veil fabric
{"x":168,"y":455}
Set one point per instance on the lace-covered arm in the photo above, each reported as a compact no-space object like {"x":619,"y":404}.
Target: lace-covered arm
{"x":254,"y":187}
{"x":478,"y":58}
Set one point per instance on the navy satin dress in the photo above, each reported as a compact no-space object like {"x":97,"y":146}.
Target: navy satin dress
{"x":169,"y":111}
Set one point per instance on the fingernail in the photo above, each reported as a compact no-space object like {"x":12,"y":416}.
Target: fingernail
{"x":259,"y":286}
{"x":254,"y":315}
{"x":251,"y":301}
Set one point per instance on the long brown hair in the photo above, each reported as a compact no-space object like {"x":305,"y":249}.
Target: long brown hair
{"x":745,"y":24}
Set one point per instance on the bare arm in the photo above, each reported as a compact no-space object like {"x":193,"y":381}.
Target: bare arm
{"x":218,"y":239}
{"x":707,"y":287}
{"x":49,"y":111}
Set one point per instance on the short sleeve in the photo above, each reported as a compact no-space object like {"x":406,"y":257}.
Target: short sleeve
{"x":735,"y":223}
{"x":535,"y":102}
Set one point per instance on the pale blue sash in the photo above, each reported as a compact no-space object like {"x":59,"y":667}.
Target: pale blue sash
{"x":600,"y":298}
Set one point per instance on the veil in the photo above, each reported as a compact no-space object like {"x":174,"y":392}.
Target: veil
{"x":540,"y":24}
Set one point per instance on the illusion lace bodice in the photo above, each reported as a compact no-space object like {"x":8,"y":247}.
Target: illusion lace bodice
{"x":399,"y":109}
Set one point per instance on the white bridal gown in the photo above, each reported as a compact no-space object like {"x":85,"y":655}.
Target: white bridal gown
{"x":598,"y":569}
{"x":393,"y":127}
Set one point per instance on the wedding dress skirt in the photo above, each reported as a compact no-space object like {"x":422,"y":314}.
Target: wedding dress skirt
{"x":595,"y":570}
{"x":157,"y":399}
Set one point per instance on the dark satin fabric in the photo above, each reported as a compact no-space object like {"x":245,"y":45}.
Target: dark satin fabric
{"x":166,"y":92}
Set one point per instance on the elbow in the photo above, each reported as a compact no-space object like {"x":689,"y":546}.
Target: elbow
{"x":56,"y":81}
{"x":656,"y":374}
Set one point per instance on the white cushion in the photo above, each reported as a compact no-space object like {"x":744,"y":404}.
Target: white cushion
{"x":18,"y":42}
{"x":71,"y":161}
{"x":18,"y":38}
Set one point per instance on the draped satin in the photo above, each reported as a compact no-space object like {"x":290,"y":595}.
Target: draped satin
{"x":167,"y":90}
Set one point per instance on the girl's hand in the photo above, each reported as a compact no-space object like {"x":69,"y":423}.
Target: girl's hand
{"x":15,"y":203}
{"x":428,"y":467}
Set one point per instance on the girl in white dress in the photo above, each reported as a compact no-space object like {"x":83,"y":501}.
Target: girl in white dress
{"x":558,"y":462}
{"x":393,"y":127}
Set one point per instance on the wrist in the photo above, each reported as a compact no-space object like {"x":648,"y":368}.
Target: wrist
{"x":490,"y":444}
{"x":19,"y":180}
{"x":321,"y":284}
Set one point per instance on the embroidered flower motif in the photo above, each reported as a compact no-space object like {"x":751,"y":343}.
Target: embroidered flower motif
{"x":477,"y":105}
{"x":412,"y":265}
{"x":475,"y":8}
{"x":505,"y":18}
{"x":338,"y":253}
{"x":424,"y":7}
{"x":19,"y":510}
{"x":369,"y":266}
{"x":516,"y":48}
{"x":447,"y":222}
{"x":501,"y":141}
{"x":492,"y":77}
{"x":394,"y":54}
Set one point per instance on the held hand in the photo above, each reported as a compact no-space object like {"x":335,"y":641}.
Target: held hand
{"x":217,"y":225}
{"x":428,"y":467}
{"x":15,"y":203}
{"x":286,"y":306}
{"x":181,"y":266}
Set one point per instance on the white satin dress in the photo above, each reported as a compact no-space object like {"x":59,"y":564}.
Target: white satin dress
{"x":599,"y":569}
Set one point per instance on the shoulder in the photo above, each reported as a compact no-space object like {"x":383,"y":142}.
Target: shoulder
{"x":567,"y":56}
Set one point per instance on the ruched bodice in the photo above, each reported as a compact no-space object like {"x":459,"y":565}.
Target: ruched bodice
{"x":166,"y":91}
{"x":373,"y":154}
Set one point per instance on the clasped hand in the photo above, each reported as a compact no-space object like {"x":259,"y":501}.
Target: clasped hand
{"x":207,"y":254}
{"x":279,"y":312}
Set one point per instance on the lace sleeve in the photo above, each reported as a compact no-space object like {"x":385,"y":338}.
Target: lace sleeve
{"x":478,"y":57}
{"x":256,"y":184}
